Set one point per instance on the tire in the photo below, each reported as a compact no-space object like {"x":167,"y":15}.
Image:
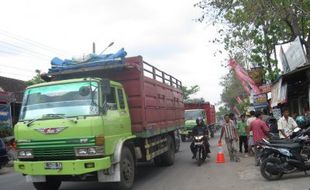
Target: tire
{"x":264,"y":170}
{"x":168,"y":157}
{"x":183,"y":138}
{"x":50,"y":184}
{"x":127,"y":169}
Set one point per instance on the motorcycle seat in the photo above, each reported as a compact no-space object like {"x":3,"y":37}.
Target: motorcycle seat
{"x":289,"y":146}
{"x":281,"y":141}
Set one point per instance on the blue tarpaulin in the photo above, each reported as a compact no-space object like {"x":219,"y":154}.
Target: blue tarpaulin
{"x":91,"y":60}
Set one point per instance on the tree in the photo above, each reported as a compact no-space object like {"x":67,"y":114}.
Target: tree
{"x":261,"y":24}
{"x":187,"y":91}
{"x":36,"y":79}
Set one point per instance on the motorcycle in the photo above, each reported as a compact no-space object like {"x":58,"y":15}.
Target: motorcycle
{"x":200,"y":149}
{"x":286,"y":158}
{"x":263,"y":153}
{"x":4,"y":159}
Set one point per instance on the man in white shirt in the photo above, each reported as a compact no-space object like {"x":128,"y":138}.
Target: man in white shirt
{"x":286,"y":125}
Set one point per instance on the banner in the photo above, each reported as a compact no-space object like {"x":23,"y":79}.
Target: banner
{"x":278,"y":93}
{"x":246,"y":81}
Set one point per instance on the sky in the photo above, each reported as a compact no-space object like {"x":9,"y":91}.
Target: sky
{"x":165,"y":33}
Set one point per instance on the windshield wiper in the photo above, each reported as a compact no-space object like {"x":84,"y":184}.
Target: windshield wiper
{"x":51,"y":115}
{"x":33,"y":120}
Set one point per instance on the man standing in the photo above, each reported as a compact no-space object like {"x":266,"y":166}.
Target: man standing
{"x":286,"y":125}
{"x":260,"y":131}
{"x":250,"y":133}
{"x":230,"y":132}
{"x":243,"y":139}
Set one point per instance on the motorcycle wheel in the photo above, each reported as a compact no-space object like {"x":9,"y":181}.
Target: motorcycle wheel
{"x":265,"y":169}
{"x":201,"y":156}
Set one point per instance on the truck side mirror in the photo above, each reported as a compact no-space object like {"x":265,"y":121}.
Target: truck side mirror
{"x":106,"y":88}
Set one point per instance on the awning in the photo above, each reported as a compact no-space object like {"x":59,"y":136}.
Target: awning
{"x":278,"y":93}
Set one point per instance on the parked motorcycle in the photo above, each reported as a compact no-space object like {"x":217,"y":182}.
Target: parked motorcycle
{"x":4,"y":159}
{"x":200,"y":148}
{"x":287,"y":158}
{"x":263,"y":153}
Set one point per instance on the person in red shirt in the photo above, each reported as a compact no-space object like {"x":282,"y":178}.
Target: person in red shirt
{"x":260,"y":130}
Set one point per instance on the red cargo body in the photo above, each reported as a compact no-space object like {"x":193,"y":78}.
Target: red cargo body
{"x":209,"y":109}
{"x":155,"y":98}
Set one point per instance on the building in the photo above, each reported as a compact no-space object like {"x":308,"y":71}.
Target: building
{"x":11,"y":95}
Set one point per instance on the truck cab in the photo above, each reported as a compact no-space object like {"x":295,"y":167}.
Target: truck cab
{"x":190,"y":117}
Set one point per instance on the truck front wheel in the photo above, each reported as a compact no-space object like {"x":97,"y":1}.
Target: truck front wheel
{"x":50,"y":184}
{"x":127,"y":169}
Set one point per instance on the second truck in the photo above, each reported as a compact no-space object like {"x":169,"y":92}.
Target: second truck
{"x":94,"y":123}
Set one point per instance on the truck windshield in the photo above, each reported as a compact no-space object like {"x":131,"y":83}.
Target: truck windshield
{"x":69,"y":100}
{"x":193,"y":114}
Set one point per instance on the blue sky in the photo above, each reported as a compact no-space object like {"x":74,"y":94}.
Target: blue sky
{"x":32,"y":32}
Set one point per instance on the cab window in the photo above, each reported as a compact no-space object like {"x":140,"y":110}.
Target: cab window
{"x":111,"y":100}
{"x":121,"y":98}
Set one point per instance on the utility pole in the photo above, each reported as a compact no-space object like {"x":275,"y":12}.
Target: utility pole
{"x":94,"y":48}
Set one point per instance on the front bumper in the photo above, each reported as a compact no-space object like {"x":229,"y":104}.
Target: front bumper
{"x":69,"y":167}
{"x":185,"y":132}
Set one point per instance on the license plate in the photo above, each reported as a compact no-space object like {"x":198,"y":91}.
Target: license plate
{"x":53,"y":165}
{"x":198,"y":143}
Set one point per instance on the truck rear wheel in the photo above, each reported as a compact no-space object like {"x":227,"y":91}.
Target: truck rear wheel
{"x":127,"y":169}
{"x":168,"y":157}
{"x":50,"y":184}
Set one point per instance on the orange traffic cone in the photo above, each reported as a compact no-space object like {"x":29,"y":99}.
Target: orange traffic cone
{"x":220,"y":154}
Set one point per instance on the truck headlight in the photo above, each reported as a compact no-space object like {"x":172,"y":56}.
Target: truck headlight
{"x":24,"y":154}
{"x":89,"y":151}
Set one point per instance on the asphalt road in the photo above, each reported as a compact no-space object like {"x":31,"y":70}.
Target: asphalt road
{"x":183,"y":175}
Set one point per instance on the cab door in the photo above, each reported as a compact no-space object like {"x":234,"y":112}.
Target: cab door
{"x":125,"y":124}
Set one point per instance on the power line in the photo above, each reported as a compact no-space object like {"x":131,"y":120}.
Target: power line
{"x":31,"y":42}
{"x":7,"y":44}
{"x":13,"y":67}
{"x":15,"y":74}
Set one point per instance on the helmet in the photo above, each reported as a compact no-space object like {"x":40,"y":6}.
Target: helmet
{"x":198,"y":120}
{"x":301,"y":121}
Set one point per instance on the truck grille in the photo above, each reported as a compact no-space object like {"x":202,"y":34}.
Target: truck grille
{"x":54,"y":153}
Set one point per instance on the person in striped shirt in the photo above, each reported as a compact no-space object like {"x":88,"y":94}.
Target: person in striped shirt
{"x":231,"y":136}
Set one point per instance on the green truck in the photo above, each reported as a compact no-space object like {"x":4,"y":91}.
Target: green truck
{"x":95,"y":123}
{"x":190,"y":117}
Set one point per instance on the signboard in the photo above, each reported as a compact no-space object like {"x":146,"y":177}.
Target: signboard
{"x":266,"y":88}
{"x":295,"y":55}
{"x":257,"y":74}
{"x":260,"y":101}
{"x":5,"y":116}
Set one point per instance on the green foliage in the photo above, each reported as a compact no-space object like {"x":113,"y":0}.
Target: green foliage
{"x":223,"y":110}
{"x":36,"y":79}
{"x":255,"y":27}
{"x":187,"y":91}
